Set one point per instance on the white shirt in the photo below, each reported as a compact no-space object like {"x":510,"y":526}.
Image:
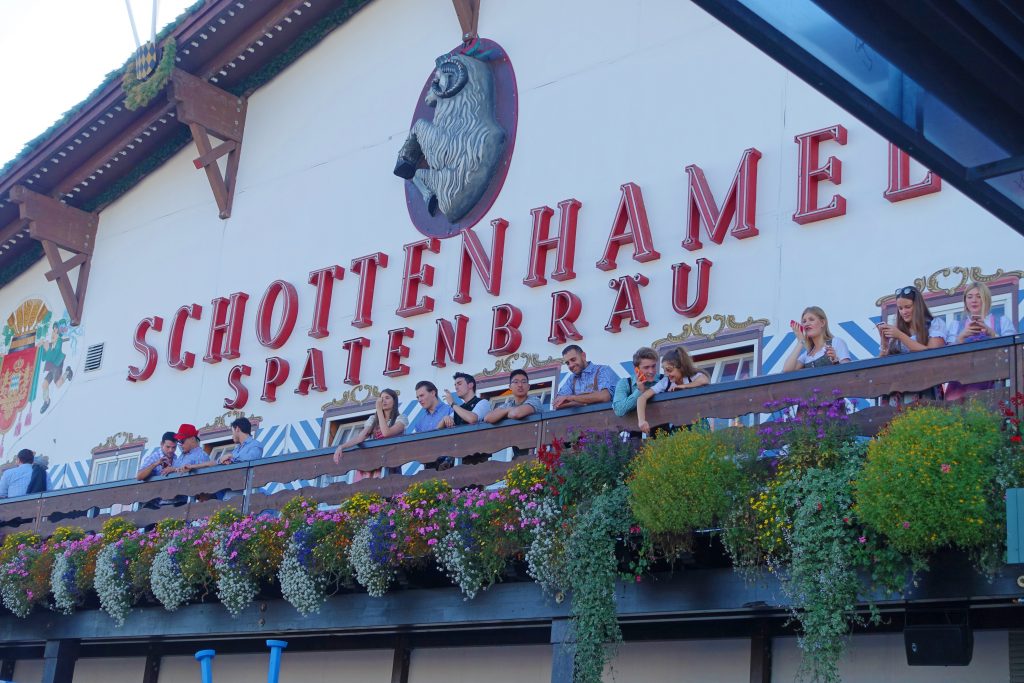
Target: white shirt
{"x":838,"y":345}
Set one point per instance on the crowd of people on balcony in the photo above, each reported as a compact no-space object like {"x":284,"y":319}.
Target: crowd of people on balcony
{"x":914,"y":328}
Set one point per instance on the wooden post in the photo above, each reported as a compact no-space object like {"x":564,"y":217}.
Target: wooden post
{"x":761,"y":657}
{"x":563,"y":651}
{"x":59,"y":659}
{"x":400,"y":663}
{"x":152,"y":672}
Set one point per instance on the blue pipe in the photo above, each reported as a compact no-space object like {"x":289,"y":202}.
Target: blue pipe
{"x":274,"y":670}
{"x":205,"y":659}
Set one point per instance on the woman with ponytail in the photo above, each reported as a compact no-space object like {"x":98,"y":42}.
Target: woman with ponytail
{"x":680,"y":373}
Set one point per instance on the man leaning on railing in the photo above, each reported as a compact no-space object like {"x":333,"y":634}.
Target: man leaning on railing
{"x":589,"y":382}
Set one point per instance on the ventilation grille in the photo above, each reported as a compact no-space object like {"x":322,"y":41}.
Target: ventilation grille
{"x":94,"y":357}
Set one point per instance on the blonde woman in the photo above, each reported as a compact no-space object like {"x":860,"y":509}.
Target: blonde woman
{"x":817,"y":347}
{"x":680,"y":373}
{"x":978,"y":322}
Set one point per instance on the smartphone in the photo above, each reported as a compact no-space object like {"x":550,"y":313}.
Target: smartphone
{"x":798,"y":325}
{"x":976,"y":318}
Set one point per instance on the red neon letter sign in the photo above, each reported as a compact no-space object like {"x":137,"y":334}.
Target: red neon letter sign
{"x":900,"y":187}
{"x":366,"y":268}
{"x":265,"y":314}
{"x":235,"y":376}
{"x":681,"y":286}
{"x":628,"y":304}
{"x":505,"y":335}
{"x":355,"y":358}
{"x":565,"y":241}
{"x":473,"y":257}
{"x":225,"y":328}
{"x":450,"y":342}
{"x":276,"y":374}
{"x":149,"y":353}
{"x":740,"y":201}
{"x":809,"y":174}
{"x":630,"y":226}
{"x":175,"y":358}
{"x":312,"y":373}
{"x":396,"y":351}
{"x":323,"y":280}
{"x":415,"y":274}
{"x":565,"y":309}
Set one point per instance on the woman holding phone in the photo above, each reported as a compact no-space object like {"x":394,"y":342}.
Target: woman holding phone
{"x":978,"y":322}
{"x":817,"y":348}
{"x":916,"y":329}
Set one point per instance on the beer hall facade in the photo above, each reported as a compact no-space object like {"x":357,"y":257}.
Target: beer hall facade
{"x":307,"y":202}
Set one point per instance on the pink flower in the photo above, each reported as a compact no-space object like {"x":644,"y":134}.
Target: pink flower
{"x":945,"y":468}
{"x":862,"y":539}
{"x":432,"y":541}
{"x":906,"y":525}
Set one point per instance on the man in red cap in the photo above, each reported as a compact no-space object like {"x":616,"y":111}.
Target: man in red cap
{"x":191,"y":452}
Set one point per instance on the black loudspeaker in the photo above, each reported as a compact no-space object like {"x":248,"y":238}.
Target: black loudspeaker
{"x":939,"y":644}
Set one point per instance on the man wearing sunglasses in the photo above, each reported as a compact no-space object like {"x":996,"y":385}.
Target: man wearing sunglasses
{"x":192,"y":454}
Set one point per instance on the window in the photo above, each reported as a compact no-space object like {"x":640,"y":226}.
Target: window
{"x":728,"y":364}
{"x":217,"y":447}
{"x":344,"y":427}
{"x":115,"y":468}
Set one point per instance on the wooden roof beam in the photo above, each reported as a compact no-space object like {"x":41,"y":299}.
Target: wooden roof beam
{"x":59,"y":226}
{"x":207,"y":110}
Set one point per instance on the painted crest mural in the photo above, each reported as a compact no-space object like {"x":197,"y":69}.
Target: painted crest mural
{"x":35,"y":367}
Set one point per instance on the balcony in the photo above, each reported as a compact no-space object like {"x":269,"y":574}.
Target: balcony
{"x":707,"y":598}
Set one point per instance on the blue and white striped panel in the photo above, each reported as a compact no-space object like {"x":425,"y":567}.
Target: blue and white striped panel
{"x":304,"y":435}
{"x":273,"y":438}
{"x":69,"y":475}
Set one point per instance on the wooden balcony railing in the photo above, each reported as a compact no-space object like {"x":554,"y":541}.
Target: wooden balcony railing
{"x":268,"y":484}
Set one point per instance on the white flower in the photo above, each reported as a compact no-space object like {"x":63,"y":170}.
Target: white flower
{"x":62,"y":583}
{"x":112,"y":584}
{"x":372,"y":576}
{"x":304,"y":591}
{"x":167,"y":582}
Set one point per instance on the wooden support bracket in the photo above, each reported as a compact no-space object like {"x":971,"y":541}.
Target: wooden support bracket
{"x":59,"y":226}
{"x":209,"y":111}
{"x":468,"y":12}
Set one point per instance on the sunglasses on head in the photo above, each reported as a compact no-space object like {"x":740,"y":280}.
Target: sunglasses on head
{"x":907,"y":292}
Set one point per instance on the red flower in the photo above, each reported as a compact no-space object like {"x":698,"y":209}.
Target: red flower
{"x":1015,"y":438}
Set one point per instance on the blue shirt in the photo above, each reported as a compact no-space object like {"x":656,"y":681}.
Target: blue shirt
{"x":154,"y":456}
{"x":427,"y":421}
{"x":196,"y":456}
{"x":594,"y":377}
{"x":251,"y":449}
{"x":14,"y":481}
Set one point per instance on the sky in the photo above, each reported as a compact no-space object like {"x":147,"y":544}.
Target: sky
{"x":53,"y":53}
